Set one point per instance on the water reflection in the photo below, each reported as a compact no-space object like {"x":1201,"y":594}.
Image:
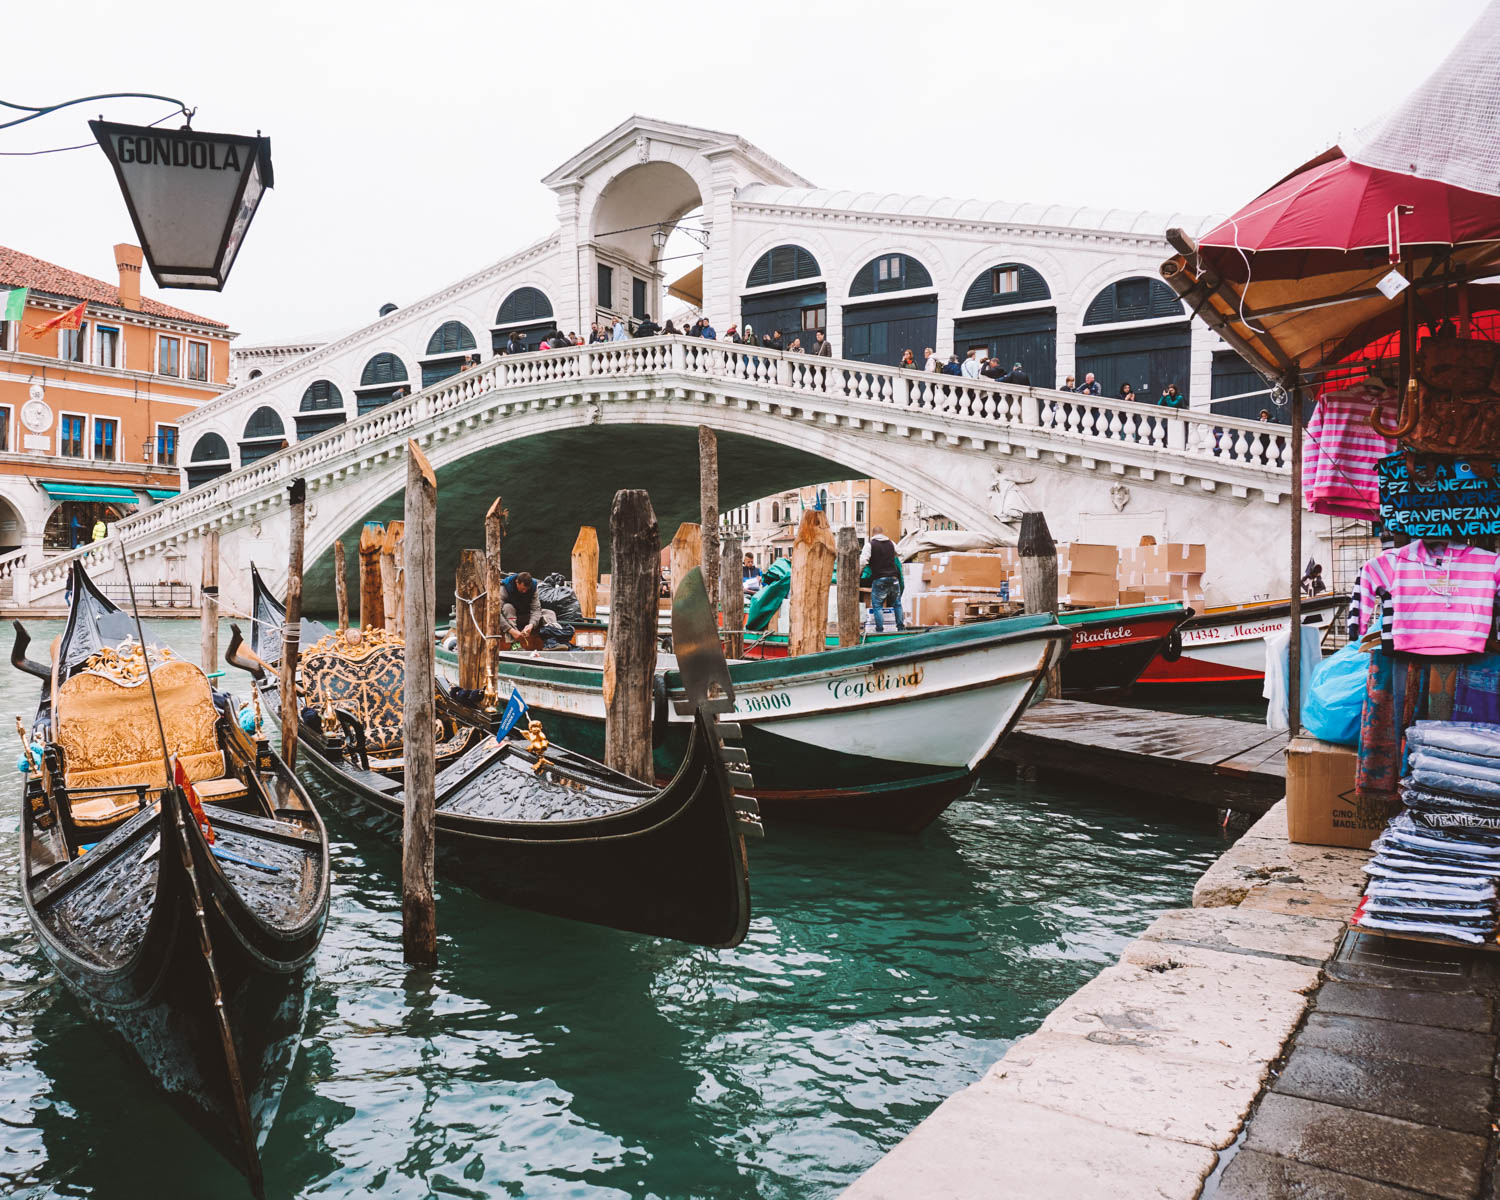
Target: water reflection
{"x":548,"y":1059}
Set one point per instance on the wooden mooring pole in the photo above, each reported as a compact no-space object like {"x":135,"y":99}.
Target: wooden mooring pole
{"x":708,"y":511}
{"x":419,"y":738}
{"x":392,"y":564}
{"x":340,"y":585}
{"x":469,"y":608}
{"x":732,"y":591}
{"x":494,"y":534}
{"x":1038,"y":553}
{"x":848,"y":585}
{"x":371,"y":597}
{"x":630,"y":648}
{"x":209,"y":602}
{"x":586,"y":571}
{"x":813,"y":556}
{"x":686,"y":552}
{"x":291,"y":632}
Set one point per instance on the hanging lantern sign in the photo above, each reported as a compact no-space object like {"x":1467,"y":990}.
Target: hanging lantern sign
{"x":191,"y":196}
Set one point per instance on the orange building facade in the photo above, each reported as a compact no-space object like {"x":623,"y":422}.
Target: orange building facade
{"x":89,"y":417}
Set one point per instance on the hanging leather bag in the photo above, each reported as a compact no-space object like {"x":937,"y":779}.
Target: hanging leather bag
{"x":1452,"y":406}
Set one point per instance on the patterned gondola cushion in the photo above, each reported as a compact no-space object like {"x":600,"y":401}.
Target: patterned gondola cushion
{"x":106,"y":726}
{"x":371,"y":688}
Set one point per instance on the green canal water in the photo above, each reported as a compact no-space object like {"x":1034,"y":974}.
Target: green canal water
{"x":549,"y":1059}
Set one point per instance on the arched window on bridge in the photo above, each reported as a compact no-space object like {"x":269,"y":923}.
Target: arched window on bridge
{"x":1149,"y":358}
{"x":796,"y":308}
{"x":447,"y":350}
{"x":526,"y":311}
{"x":383,"y":376}
{"x":321,"y":409}
{"x":209,"y":460}
{"x":880,"y":327}
{"x":1027,"y":336}
{"x":264,"y":434}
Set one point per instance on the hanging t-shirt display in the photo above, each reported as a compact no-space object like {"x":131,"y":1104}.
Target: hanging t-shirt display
{"x":1442,"y":498}
{"x":1443,"y":603}
{"x":1338,"y":466}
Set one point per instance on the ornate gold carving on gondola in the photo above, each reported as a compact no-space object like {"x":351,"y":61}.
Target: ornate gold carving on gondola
{"x":127,"y":663}
{"x":352,"y":644}
{"x":537,"y":743}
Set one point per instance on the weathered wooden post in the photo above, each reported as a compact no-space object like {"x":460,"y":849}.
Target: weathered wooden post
{"x":209,"y":602}
{"x":630,"y":649}
{"x":586,"y":570}
{"x":848,"y":585}
{"x":469,"y":613}
{"x":1038,"y":555}
{"x":708,"y":510}
{"x":732,"y":603}
{"x":371,"y":597}
{"x":291,"y":633}
{"x":686,"y":553}
{"x":419,"y":738}
{"x":392,"y":563}
{"x":340,"y":585}
{"x":494,"y":534}
{"x":813,"y":556}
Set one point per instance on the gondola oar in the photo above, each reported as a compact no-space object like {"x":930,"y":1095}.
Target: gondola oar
{"x":172,"y":805}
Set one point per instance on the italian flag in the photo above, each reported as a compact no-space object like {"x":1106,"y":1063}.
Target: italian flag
{"x":13,"y":304}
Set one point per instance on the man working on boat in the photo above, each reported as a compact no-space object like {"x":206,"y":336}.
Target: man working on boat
{"x":879,"y":555}
{"x":520,"y":612}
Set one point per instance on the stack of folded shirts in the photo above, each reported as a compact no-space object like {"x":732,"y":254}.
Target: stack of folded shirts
{"x":1433,"y":882}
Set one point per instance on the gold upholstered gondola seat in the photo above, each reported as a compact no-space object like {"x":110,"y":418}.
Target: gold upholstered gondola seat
{"x":367,"y":680}
{"x":107,"y":732}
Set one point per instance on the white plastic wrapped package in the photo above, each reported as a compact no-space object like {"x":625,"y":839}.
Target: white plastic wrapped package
{"x":1457,"y":933}
{"x":1477,"y":738}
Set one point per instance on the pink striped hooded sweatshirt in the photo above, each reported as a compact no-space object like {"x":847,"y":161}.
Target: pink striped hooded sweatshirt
{"x":1440,"y":608}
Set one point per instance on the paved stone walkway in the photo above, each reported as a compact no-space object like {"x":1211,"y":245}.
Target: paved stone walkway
{"x":1388,"y":1089}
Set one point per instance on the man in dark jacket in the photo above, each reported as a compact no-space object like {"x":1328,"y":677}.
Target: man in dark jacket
{"x":822,"y":347}
{"x":991,"y":370}
{"x":1089,"y":386}
{"x":885,"y":577}
{"x":953,"y":366}
{"x":1017,"y":377}
{"x":520,"y":613}
{"x":647,"y":327}
{"x":515,"y":344}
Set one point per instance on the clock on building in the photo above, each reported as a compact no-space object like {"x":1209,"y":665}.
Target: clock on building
{"x":35,"y":414}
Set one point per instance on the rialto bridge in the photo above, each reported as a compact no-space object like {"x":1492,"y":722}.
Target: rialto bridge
{"x":557,"y":433}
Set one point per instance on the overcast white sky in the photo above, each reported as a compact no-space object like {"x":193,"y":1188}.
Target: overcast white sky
{"x":409,"y":138}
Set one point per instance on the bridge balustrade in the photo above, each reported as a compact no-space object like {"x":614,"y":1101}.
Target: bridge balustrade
{"x":1090,"y":426}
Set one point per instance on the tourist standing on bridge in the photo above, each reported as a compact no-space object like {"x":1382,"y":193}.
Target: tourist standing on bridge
{"x":1090,"y":386}
{"x":619,"y":333}
{"x":1018,"y":377}
{"x":708,"y":333}
{"x":970,"y":367}
{"x":1068,"y":385}
{"x":992,"y":370}
{"x":908,"y":361}
{"x":99,"y":530}
{"x":930,"y":360}
{"x":647,"y":327}
{"x":669,"y":330}
{"x":1172,"y":398}
{"x":1127,"y":392}
{"x":515,"y":344}
{"x":822,"y":347}
{"x":951,"y":367}
{"x":879,"y":555}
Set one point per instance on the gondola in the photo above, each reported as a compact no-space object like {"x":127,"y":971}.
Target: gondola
{"x":530,"y":824}
{"x":185,"y":918}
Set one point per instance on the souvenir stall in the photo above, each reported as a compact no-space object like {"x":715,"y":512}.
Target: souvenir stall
{"x":1352,"y":286}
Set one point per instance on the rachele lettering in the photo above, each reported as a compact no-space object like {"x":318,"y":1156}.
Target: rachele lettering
{"x":179,"y":152}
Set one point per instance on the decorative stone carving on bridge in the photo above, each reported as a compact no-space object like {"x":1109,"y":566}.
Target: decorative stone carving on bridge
{"x":1119,"y":496}
{"x":1007,"y":501}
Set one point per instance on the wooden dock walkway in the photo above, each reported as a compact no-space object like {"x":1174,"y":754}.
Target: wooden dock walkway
{"x":1205,"y":760}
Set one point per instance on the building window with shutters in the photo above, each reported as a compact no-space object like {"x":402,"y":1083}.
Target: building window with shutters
{"x":5,"y":427}
{"x":1005,"y":280}
{"x":70,"y":435}
{"x":1132,"y":294}
{"x":106,"y":433}
{"x":606,"y":286}
{"x":888,"y":268}
{"x":72,"y":344}
{"x":166,"y":445}
{"x":198,"y":362}
{"x":5,"y":334}
{"x":637,"y":298}
{"x":815,"y":317}
{"x":107,"y":340}
{"x":169,"y":356}
{"x":859,"y":512}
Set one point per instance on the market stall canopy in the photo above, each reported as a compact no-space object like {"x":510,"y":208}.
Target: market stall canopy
{"x":688,"y":289}
{"x":1287,"y":278}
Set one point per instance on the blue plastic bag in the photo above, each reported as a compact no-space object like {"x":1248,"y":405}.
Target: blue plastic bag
{"x":1332,"y":709}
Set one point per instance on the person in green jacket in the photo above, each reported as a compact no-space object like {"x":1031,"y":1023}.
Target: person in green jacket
{"x":1172,"y":398}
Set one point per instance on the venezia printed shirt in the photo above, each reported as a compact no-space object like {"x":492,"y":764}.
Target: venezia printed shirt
{"x":1438,"y":607}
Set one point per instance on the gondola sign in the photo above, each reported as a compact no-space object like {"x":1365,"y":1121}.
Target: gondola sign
{"x":191,"y":196}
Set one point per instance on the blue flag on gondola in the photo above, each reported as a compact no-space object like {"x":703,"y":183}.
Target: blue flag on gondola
{"x":515,"y":710}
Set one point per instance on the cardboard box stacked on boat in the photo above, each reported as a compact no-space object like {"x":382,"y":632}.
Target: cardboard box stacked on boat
{"x":1165,"y":571}
{"x":947,"y":582}
{"x":1088,"y":574}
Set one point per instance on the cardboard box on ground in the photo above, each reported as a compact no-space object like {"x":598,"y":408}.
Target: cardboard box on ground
{"x":1320,"y":801}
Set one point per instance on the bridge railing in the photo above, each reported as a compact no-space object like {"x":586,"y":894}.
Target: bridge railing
{"x":1066,"y":420}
